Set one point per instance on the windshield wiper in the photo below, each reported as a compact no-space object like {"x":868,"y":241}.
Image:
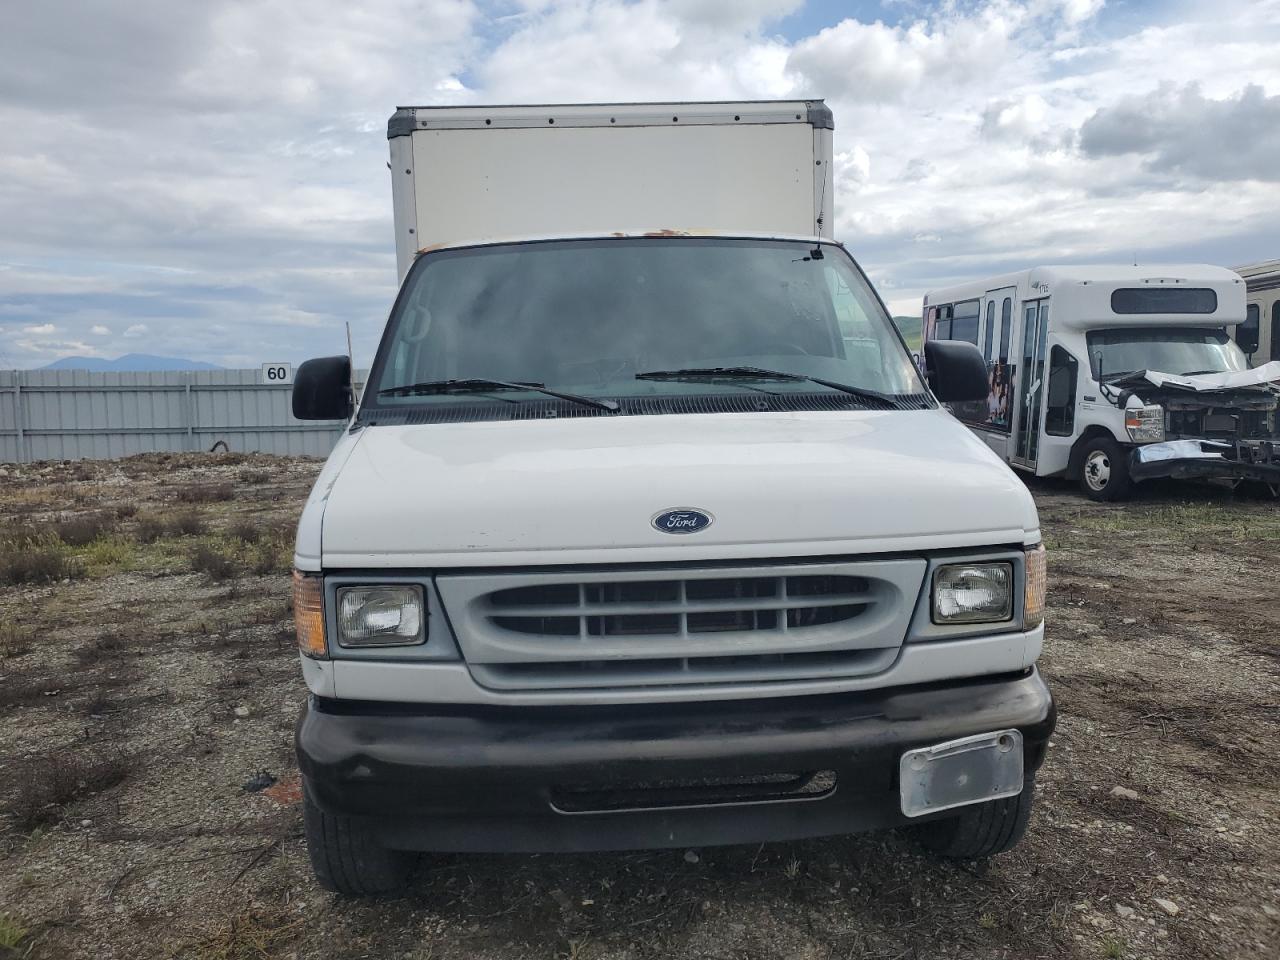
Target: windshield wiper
{"x":482,"y":385}
{"x":760,"y":373}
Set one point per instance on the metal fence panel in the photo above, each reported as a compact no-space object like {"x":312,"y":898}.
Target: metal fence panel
{"x":78,"y":414}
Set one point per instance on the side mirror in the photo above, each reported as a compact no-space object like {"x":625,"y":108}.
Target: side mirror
{"x":956,"y":371}
{"x":322,"y":389}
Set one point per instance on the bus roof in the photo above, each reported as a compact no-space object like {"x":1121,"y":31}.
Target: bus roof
{"x":1102,"y":274}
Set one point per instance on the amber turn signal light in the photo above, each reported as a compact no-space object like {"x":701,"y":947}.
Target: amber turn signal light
{"x":308,"y":614}
{"x":1037,"y":583}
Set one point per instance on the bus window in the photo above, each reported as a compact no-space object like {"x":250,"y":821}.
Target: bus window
{"x":1060,"y":408}
{"x":1247,"y":332}
{"x":942,"y":329}
{"x":991,"y":329}
{"x":964,"y":321}
{"x":1275,"y":330}
{"x":1006,"y":328}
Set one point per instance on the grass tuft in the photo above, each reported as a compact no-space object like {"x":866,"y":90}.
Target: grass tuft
{"x":149,"y":529}
{"x":46,"y":562}
{"x":85,"y":528}
{"x":14,"y":640}
{"x":186,"y":524}
{"x":12,"y":933}
{"x":247,"y":531}
{"x":1113,"y":948}
{"x":209,"y":560}
{"x":256,"y":933}
{"x":205,"y":493}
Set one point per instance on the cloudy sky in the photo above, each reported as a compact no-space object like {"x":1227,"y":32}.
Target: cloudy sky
{"x":207,"y":178}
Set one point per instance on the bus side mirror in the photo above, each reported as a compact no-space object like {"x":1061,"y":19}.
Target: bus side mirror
{"x":322,"y":389}
{"x":956,"y":371}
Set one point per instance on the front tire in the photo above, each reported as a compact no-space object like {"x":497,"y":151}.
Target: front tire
{"x":345,"y":856}
{"x":1104,"y":470}
{"x":981,"y":830}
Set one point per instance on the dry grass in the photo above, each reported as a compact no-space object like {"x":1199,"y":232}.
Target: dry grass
{"x":48,"y":785}
{"x":186,"y":524}
{"x":206,"y":558}
{"x":15,"y":640}
{"x":35,"y":563}
{"x":12,"y":933}
{"x":247,"y":531}
{"x":205,"y":493}
{"x":82,"y":529}
{"x":257,"y":933}
{"x":149,"y":529}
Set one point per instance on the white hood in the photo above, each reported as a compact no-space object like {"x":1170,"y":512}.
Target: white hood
{"x":584,"y":490}
{"x":1231,"y":380}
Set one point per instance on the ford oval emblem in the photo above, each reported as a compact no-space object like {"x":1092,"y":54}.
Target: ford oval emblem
{"x":684,"y":520}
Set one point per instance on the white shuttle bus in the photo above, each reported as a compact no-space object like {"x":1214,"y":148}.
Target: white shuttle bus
{"x":1114,"y":374}
{"x":1259,"y":335}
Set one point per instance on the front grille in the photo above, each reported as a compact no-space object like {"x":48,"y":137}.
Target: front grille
{"x":656,"y":626}
{"x":698,"y":791}
{"x":656,"y":608}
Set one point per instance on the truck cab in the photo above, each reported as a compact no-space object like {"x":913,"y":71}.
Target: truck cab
{"x":657,"y":537}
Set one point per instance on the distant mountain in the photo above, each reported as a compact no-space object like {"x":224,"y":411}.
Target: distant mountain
{"x":131,"y":362}
{"x":910,"y":327}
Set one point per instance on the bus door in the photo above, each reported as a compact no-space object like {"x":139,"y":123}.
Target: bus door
{"x":1029,"y":383}
{"x":997,"y":332}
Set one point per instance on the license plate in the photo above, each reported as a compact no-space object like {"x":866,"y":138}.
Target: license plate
{"x":959,"y":772}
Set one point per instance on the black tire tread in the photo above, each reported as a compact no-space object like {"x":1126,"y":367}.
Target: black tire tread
{"x":345,"y":857}
{"x":1121,"y":484}
{"x":982,"y":830}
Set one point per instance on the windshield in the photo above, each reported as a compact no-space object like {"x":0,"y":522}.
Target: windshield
{"x":585,"y":317}
{"x":1176,"y":350}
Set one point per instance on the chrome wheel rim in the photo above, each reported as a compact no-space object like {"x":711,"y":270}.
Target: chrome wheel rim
{"x":1097,"y":470}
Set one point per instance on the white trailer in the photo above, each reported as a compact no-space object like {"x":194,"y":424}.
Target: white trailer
{"x":595,"y":169}
{"x":1259,"y":335}
{"x":1110,"y":374}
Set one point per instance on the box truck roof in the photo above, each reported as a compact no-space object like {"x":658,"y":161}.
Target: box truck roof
{"x":480,"y":174}
{"x":736,"y":235}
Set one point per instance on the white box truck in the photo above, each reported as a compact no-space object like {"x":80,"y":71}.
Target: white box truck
{"x":646,"y":531}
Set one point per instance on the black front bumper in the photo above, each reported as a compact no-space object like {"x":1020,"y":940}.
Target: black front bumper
{"x":1205,"y":460}
{"x":479,"y":779}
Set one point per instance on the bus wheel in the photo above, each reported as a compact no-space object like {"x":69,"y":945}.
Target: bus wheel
{"x":1104,"y":470}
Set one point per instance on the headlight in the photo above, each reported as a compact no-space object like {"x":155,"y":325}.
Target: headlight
{"x":381,"y":616}
{"x":1145,"y":424}
{"x":973,"y":593}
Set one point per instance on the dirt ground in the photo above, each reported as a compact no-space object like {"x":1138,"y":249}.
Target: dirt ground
{"x":149,"y":804}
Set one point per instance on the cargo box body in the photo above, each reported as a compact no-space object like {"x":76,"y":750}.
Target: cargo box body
{"x":479,"y":174}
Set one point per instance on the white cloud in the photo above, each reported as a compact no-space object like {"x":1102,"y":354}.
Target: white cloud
{"x":1022,"y":117}
{"x":40,"y":329}
{"x":227,"y":181}
{"x":1180,"y":130}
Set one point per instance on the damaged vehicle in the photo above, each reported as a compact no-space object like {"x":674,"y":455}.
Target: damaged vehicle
{"x":1219,"y":426}
{"x":1111,"y":375}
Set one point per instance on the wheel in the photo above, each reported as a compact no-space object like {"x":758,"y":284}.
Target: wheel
{"x":981,"y":830}
{"x":345,"y":857}
{"x":1104,"y":470}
